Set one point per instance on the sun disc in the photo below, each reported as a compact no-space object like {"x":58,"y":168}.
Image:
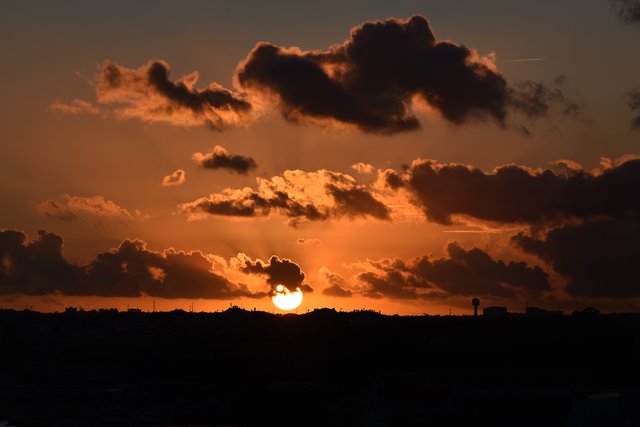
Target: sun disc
{"x":286,"y":300}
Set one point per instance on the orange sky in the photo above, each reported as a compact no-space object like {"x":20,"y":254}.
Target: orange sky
{"x":84,"y":155}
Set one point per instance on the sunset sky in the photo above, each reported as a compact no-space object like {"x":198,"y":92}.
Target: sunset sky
{"x":396,"y":156}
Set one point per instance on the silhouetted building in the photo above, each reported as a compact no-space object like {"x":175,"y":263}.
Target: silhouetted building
{"x":540,"y":313}
{"x":475,"y":302}
{"x":494,"y":311}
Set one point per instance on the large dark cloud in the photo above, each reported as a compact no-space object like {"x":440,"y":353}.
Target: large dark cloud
{"x":220,"y":158}
{"x":278,"y":272}
{"x":149,"y":94}
{"x":634,"y":104}
{"x":300,"y":196}
{"x":629,"y":10}
{"x":461,"y":273}
{"x":370,"y":81}
{"x":599,"y":257}
{"x":516,"y":194}
{"x":38,"y":267}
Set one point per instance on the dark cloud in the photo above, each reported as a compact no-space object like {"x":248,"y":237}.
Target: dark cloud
{"x":147,"y":93}
{"x":370,"y":80}
{"x":461,"y":273}
{"x":516,"y":194}
{"x":534,"y":99}
{"x":278,"y":272}
{"x":560,"y":79}
{"x":356,"y":201}
{"x":634,"y":104}
{"x":38,"y":267}
{"x":629,"y":10}
{"x":390,"y":284}
{"x":599,"y":257}
{"x":300,"y":196}
{"x":220,"y":158}
{"x":336,"y":284}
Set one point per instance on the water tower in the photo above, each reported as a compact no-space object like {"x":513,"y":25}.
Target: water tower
{"x":475,"y":302}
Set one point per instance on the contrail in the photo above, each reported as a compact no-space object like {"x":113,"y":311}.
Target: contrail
{"x":524,"y":60}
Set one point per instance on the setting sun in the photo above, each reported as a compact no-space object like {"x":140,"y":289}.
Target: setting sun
{"x":286,"y":300}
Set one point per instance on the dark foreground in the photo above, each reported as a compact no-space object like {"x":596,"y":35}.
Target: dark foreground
{"x":322,"y":368}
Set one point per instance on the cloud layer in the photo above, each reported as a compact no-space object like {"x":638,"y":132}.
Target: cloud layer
{"x":38,"y":267}
{"x":375,"y":81}
{"x":298,"y":195}
{"x":71,"y":207}
{"x":517,"y":194}
{"x":599,"y":257}
{"x":462,"y":272}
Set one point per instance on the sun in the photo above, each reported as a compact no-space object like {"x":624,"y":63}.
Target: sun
{"x":286,"y":300}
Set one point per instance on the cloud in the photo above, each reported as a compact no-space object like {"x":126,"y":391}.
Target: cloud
{"x":38,"y":267}
{"x":277,"y":271}
{"x":57,"y":210}
{"x":517,"y":194}
{"x":220,"y":158}
{"x":177,"y":177}
{"x":599,"y":257}
{"x":629,"y":10}
{"x":634,"y":105}
{"x":308,"y":242}
{"x":560,"y":79}
{"x":148,"y":94}
{"x":72,"y":206}
{"x":77,"y":106}
{"x":374,"y":80}
{"x":462,"y":272}
{"x":336,"y":284}
{"x":300,"y":196}
{"x":534,"y":99}
{"x":370,"y":80}
{"x":363,"y":168}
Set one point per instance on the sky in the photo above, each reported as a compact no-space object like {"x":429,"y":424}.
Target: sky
{"x":402,"y":157}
